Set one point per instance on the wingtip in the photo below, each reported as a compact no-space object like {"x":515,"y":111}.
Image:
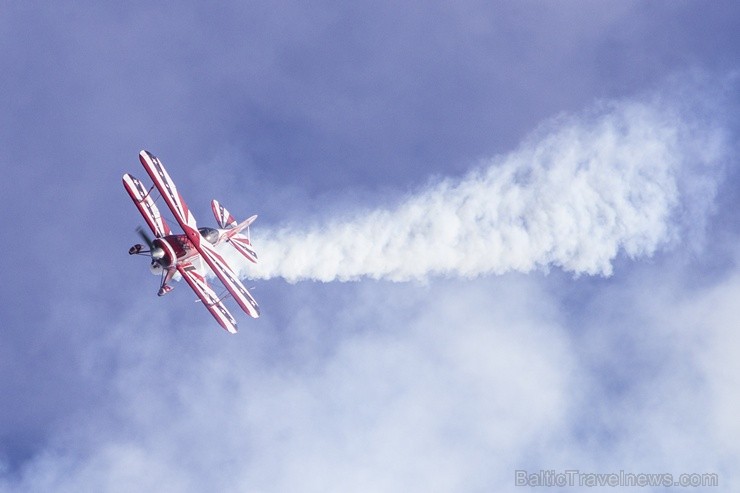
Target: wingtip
{"x":145,"y":155}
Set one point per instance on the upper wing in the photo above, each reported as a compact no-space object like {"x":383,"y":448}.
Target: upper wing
{"x":207,"y":296}
{"x":167,"y":189}
{"x":146,"y":206}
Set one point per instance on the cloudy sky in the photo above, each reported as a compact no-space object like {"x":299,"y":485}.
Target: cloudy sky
{"x":495,"y":236}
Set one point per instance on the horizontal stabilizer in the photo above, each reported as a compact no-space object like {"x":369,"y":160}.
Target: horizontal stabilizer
{"x":242,"y":245}
{"x":244,"y":224}
{"x":241,"y":242}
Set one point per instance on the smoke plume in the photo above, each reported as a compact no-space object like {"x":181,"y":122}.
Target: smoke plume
{"x":624,"y":177}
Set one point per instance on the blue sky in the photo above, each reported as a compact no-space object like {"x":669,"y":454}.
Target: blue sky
{"x":495,"y":237}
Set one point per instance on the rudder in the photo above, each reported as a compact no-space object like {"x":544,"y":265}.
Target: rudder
{"x":223,"y":217}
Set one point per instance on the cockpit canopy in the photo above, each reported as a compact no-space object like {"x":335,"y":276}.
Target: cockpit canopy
{"x":210,"y":234}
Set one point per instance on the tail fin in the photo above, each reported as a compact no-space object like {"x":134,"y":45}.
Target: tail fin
{"x":223,"y":217}
{"x":233,"y":233}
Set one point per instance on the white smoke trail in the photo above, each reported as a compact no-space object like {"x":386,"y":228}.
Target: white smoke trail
{"x":580,"y":191}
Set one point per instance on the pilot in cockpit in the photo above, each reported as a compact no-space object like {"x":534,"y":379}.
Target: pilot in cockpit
{"x":210,"y":234}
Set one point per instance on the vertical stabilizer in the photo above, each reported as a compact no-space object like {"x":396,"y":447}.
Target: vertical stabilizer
{"x":223,"y":217}
{"x":233,"y":229}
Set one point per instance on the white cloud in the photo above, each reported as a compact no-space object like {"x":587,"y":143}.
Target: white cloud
{"x":445,"y":387}
{"x":434,"y":401}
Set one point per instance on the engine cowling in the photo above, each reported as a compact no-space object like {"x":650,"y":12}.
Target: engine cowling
{"x":163,"y":253}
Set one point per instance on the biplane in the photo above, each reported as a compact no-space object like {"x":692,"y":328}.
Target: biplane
{"x":173,"y":255}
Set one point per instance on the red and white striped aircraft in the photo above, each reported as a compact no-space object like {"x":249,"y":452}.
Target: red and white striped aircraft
{"x":183,"y":253}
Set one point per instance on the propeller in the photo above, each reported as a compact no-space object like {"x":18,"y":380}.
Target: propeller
{"x":155,"y":252}
{"x":145,"y":237}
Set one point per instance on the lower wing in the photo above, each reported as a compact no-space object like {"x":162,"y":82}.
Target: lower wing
{"x":207,"y":296}
{"x":227,"y":276}
{"x":143,"y":200}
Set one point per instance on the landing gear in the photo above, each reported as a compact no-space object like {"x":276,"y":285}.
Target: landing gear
{"x":166,"y":288}
{"x":137,"y":249}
